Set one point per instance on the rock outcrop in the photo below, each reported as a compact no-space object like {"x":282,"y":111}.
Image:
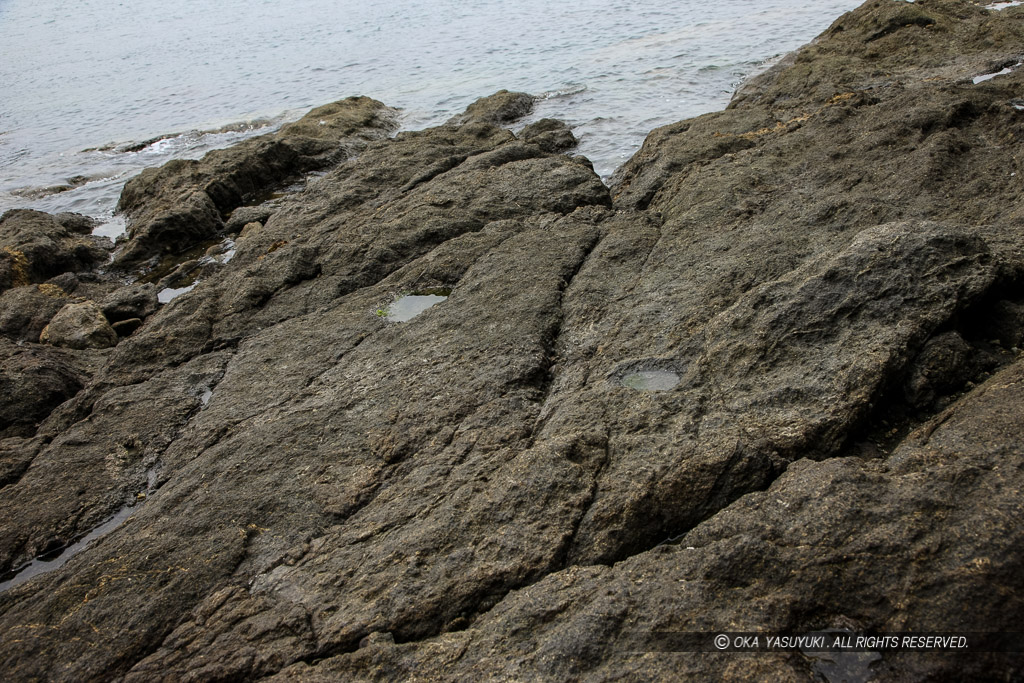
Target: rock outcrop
{"x":35,"y":246}
{"x":826,"y":279}
{"x":79,"y":326}
{"x":184,"y":202}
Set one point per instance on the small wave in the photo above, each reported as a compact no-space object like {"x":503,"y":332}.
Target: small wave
{"x":166,"y":143}
{"x":40,"y":192}
{"x":560,"y":94}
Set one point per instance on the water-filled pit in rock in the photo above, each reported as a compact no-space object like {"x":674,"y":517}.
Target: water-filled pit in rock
{"x":58,"y":558}
{"x":408,"y":306}
{"x":651,"y":380}
{"x":987,"y":77}
{"x":170,"y":293}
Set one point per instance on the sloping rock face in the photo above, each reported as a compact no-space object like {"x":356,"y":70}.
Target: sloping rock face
{"x":185,"y":201}
{"x":827,"y":280}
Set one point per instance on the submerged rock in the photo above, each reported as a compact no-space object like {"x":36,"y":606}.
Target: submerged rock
{"x":823,"y":268}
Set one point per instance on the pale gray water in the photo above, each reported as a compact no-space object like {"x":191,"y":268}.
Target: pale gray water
{"x":83,"y":75}
{"x":407,"y":307}
{"x":651,"y":380}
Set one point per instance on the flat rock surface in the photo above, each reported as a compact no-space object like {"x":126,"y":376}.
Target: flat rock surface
{"x":831,"y":271}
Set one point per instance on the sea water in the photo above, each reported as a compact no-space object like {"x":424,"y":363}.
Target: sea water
{"x":96,"y":90}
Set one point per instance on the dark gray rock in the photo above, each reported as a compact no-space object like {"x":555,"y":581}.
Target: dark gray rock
{"x":550,"y":135}
{"x":35,"y":246}
{"x":244,"y":215}
{"x":479,"y":494}
{"x":501,"y":108}
{"x":132,"y":301}
{"x":33,"y":381}
{"x":25,"y":311}
{"x":817,"y":550}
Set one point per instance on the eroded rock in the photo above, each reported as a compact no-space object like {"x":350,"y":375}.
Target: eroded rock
{"x":33,"y":381}
{"x":35,"y":246}
{"x":475,"y":494}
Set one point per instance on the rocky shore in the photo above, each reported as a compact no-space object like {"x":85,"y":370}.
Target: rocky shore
{"x":768,"y":381}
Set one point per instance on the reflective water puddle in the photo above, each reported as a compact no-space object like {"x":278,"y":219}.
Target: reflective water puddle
{"x":407,"y":307}
{"x":987,"y":77}
{"x":170,"y":293}
{"x":55,"y":559}
{"x":651,"y":380}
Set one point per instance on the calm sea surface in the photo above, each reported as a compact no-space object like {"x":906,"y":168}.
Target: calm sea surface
{"x":81,"y":81}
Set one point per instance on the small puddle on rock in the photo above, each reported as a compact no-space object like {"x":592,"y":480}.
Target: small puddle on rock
{"x":1004,"y":5}
{"x":987,"y":77}
{"x":651,"y":380}
{"x":55,"y":559}
{"x":170,"y":293}
{"x":407,"y":307}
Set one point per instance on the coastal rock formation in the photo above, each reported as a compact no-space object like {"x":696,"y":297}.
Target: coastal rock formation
{"x":185,"y":201}
{"x":769,"y":381}
{"x":35,"y":246}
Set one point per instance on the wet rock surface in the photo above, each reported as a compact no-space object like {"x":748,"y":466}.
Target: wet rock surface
{"x":830,"y":272}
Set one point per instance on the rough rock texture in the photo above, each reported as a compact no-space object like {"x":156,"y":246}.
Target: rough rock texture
{"x":832,"y":268}
{"x":79,"y":326}
{"x":134,"y":301}
{"x":33,"y":381}
{"x":35,"y":246}
{"x":185,"y":201}
{"x":25,"y":311}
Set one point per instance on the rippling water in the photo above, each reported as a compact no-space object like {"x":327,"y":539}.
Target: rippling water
{"x":81,"y":82}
